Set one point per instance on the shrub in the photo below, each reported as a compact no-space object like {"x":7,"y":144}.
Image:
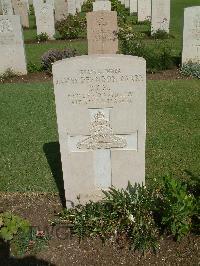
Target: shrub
{"x":176,"y":207}
{"x":121,"y":212}
{"x":160,"y":34}
{"x":42,"y":37}
{"x":158,"y":55}
{"x":87,"y":6}
{"x":191,"y":70}
{"x":72,"y":27}
{"x":52,"y":56}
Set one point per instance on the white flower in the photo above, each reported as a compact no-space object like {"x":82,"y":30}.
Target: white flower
{"x":131,"y":218}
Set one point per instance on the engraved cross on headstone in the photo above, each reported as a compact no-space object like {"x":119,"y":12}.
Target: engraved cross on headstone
{"x":101,"y":142}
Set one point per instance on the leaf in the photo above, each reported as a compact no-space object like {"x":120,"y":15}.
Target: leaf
{"x":5,"y":234}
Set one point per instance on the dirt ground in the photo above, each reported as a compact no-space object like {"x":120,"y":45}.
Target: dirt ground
{"x":172,"y":74}
{"x":64,"y":250}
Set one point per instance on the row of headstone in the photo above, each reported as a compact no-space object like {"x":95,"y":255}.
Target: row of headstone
{"x":156,"y":11}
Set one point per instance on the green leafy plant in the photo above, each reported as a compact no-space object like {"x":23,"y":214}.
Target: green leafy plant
{"x":42,"y":37}
{"x":176,"y":207}
{"x":191,"y":70}
{"x":32,"y":67}
{"x":121,"y":213}
{"x":52,"y":56}
{"x":10,"y":224}
{"x":72,"y":27}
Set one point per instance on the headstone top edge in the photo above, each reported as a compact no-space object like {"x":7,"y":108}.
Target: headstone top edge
{"x":97,"y":56}
{"x":191,"y":7}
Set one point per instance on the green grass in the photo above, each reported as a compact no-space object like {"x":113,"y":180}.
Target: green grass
{"x":29,"y":131}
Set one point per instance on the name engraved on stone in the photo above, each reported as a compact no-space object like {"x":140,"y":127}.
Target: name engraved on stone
{"x":100,"y":94}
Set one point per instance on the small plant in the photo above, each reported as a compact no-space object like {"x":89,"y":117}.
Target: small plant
{"x":72,"y":27}
{"x":191,"y":70}
{"x":121,"y":213}
{"x":176,"y":207}
{"x":22,"y":238}
{"x":42,"y":37}
{"x":160,"y":34}
{"x":8,"y":74}
{"x":52,"y":56}
{"x":11,"y":224}
{"x":32,"y":67}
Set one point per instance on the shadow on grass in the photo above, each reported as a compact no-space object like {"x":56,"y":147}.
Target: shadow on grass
{"x":7,"y":260}
{"x":52,"y":152}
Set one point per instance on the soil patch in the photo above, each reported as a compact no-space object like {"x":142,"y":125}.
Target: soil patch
{"x":64,"y":250}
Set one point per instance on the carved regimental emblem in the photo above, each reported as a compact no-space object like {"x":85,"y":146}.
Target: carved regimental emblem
{"x":102,"y":136}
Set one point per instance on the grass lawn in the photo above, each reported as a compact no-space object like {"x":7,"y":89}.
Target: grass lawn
{"x":29,"y":137}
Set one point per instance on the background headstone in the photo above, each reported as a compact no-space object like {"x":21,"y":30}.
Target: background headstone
{"x":7,"y":7}
{"x":191,"y":35}
{"x":144,"y":10}
{"x":45,"y":20}
{"x":160,"y":18}
{"x":61,"y":10}
{"x":102,"y":5}
{"x":101,"y":116}
{"x":71,"y":7}
{"x":12,"y":55}
{"x":133,"y":6}
{"x":102,"y":32}
{"x":127,"y":3}
{"x":21,"y":9}
{"x":1,"y":10}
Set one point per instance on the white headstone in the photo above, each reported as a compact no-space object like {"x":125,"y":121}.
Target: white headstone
{"x":71,"y":7}
{"x":160,"y":15}
{"x":61,"y":10}
{"x":78,"y":5}
{"x":101,"y":116}
{"x":191,"y":35}
{"x":101,"y":5}
{"x":45,"y":20}
{"x":127,"y":3}
{"x":7,"y":7}
{"x":20,"y":8}
{"x":12,"y":55}
{"x":144,"y":10}
{"x":133,"y":6}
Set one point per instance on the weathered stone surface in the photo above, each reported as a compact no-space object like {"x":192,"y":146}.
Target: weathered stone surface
{"x":133,"y":6}
{"x":20,"y":8}
{"x":71,"y":7}
{"x":127,"y":3}
{"x":101,"y":116}
{"x":45,"y":19}
{"x":191,"y":35}
{"x":61,"y":10}
{"x":78,"y":5}
{"x":102,"y":5}
{"x":6,"y":7}
{"x":160,"y":15}
{"x":101,"y":32}
{"x":12,"y":55}
{"x":144,"y":10}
